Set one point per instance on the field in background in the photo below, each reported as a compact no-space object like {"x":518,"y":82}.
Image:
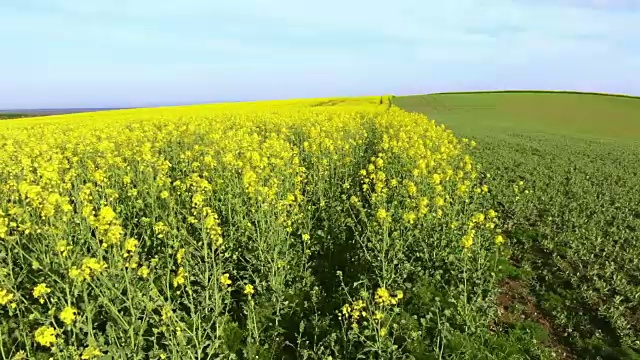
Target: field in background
{"x":576,"y":234}
{"x":6,"y":116}
{"x":46,"y":112}
{"x":584,"y":115}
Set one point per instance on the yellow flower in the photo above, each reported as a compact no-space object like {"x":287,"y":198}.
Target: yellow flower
{"x":20,"y":355}
{"x":422,"y":206}
{"x":382,"y":215}
{"x":5,"y":297}
{"x":499,"y":239}
{"x":409,"y":217}
{"x":180,"y":256}
{"x":166,"y":312}
{"x":224,"y":280}
{"x":491,"y":214}
{"x":143,"y":272}
{"x":106,"y":216}
{"x":91,"y":352}
{"x":346,"y":310}
{"x":399,"y":294}
{"x":93,"y":264}
{"x":359,"y":305}
{"x":63,"y":247}
{"x":378,"y":315}
{"x":411,"y":188}
{"x":306,"y":237}
{"x":478,"y":218}
{"x":112,"y":235}
{"x":130,"y":248}
{"x":383,"y":332}
{"x":40,"y":292}
{"x":68,"y":315}
{"x":467,"y":240}
{"x":160,"y":229}
{"x":90,"y":266}
{"x":383,"y":296}
{"x":164,"y":194}
{"x":45,"y":336}
{"x":4,"y":227}
{"x":249,"y":290}
{"x":180,"y":278}
{"x":130,"y":245}
{"x":76,"y":274}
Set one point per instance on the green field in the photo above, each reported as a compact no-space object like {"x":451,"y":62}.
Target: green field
{"x":6,"y":116}
{"x":573,"y":222}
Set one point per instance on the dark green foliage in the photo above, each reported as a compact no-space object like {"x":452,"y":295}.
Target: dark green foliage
{"x":6,"y":116}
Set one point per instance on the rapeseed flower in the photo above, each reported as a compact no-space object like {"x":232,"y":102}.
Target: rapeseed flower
{"x":143,"y":272}
{"x":91,"y":352}
{"x":46,"y":336}
{"x":383,"y":332}
{"x":180,"y":256}
{"x":63,"y":247}
{"x":4,"y":227}
{"x":88,"y":268}
{"x":161,"y":229}
{"x":467,"y":240}
{"x":383,"y":297}
{"x":130,"y":246}
{"x":383,"y":216}
{"x":68,"y":315}
{"x":40,"y":292}
{"x":409,"y":217}
{"x":5,"y":297}
{"x":180,"y":278}
{"x":224,"y":280}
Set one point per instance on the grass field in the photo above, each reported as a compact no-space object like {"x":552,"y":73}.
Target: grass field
{"x":598,"y":117}
{"x":575,"y":247}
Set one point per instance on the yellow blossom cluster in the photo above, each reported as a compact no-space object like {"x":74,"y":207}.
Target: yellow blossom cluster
{"x":120,"y":223}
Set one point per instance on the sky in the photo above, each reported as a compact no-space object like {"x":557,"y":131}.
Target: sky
{"x":121,"y":53}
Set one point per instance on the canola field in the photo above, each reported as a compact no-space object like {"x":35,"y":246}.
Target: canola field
{"x":303,"y":229}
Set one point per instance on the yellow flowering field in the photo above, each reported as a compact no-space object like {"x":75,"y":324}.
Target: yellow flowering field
{"x":318,"y":228}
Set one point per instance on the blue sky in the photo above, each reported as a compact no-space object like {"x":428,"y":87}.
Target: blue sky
{"x":98,"y":53}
